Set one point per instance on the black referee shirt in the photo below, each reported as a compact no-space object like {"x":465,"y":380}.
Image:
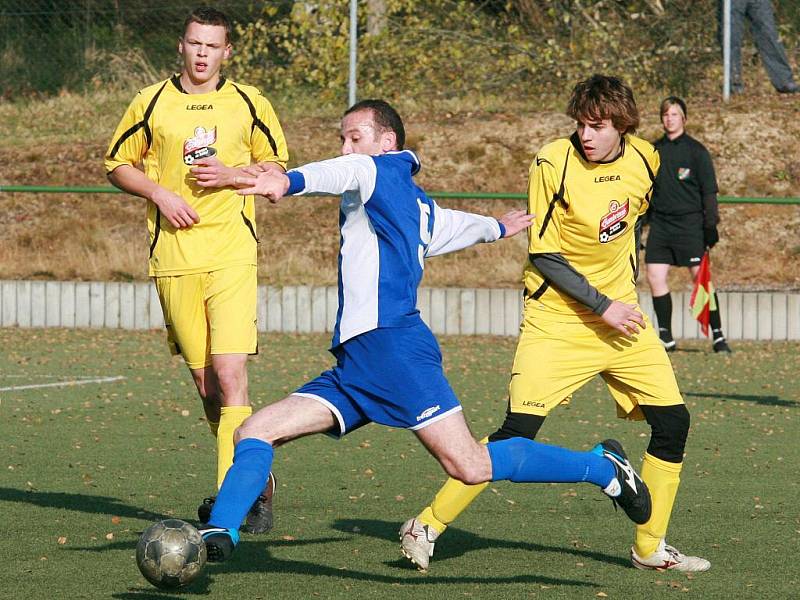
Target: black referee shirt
{"x":686,"y":176}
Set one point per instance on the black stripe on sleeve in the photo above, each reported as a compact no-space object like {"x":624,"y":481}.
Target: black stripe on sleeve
{"x":258,"y":122}
{"x":557,"y":197}
{"x":646,"y":164}
{"x":148,"y":134}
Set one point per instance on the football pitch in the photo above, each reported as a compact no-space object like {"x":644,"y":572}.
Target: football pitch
{"x":102,"y":434}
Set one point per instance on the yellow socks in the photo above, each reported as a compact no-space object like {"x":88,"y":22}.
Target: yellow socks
{"x":230,"y":419}
{"x":450,"y":501}
{"x":662,"y":478}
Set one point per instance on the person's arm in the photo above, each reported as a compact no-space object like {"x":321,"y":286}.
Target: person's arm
{"x":707,"y":180}
{"x":127,"y":148}
{"x":562,"y":275}
{"x":455,"y":230}
{"x":130,"y":179}
{"x":335,"y":176}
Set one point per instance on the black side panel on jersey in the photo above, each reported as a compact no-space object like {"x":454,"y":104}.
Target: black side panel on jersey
{"x":258,"y":122}
{"x":158,"y":230}
{"x":148,"y":134}
{"x":557,"y":197}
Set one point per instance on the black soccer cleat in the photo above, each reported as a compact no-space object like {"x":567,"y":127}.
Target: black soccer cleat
{"x":204,"y":510}
{"x":259,"y":518}
{"x":220,"y":542}
{"x":627,"y":489}
{"x":665,"y":335}
{"x":721,"y":345}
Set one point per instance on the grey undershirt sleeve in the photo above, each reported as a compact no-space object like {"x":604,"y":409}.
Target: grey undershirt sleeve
{"x":559,"y":273}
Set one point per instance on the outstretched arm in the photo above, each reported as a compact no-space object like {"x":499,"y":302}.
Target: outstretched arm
{"x":455,"y":230}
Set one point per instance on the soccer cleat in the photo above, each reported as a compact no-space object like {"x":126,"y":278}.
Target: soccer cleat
{"x":220,"y":542}
{"x":627,"y":489}
{"x":667,"y":558}
{"x":720,"y":345}
{"x":259,"y":518}
{"x":204,"y":510}
{"x":416,"y":542}
{"x":666,"y":339}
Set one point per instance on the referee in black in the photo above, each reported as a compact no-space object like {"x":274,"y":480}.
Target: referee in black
{"x":683,"y":217}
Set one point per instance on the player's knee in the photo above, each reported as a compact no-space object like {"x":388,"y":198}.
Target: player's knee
{"x":469,"y":469}
{"x":518,"y":425}
{"x":669,"y":429}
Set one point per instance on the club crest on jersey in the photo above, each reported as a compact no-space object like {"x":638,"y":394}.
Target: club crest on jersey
{"x":613,"y":223}
{"x":684,"y":173}
{"x":199,"y":146}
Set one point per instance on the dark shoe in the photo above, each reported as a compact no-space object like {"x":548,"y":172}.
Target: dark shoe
{"x":220,"y":542}
{"x":204,"y":510}
{"x":259,"y":518}
{"x":720,"y":345}
{"x":792,"y":88}
{"x":666,"y":338}
{"x":627,"y":489}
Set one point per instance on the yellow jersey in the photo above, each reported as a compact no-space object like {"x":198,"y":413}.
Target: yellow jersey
{"x":587,"y":211}
{"x":166,"y":130}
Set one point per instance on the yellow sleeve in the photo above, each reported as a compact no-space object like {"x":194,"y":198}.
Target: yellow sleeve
{"x":129,"y":144}
{"x":543,"y":184}
{"x":268,"y":143}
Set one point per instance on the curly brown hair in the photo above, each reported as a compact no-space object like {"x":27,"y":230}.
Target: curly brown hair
{"x":603,"y":97}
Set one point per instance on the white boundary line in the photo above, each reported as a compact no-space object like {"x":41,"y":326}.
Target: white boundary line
{"x":62,"y":383}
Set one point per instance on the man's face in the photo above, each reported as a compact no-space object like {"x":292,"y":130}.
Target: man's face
{"x":673,"y":121}
{"x":203,"y":48}
{"x":360,"y":135}
{"x":599,"y":139}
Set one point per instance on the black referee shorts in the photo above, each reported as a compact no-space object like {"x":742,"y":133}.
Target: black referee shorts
{"x":670,"y":244}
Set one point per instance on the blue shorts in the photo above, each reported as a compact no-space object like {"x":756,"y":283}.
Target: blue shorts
{"x":390,"y":376}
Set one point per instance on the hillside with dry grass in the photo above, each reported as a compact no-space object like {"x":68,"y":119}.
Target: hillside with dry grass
{"x":61,"y":141}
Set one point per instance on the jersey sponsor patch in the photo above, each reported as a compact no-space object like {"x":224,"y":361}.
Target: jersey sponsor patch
{"x":199,"y":146}
{"x":684,"y":173}
{"x":613,"y":222}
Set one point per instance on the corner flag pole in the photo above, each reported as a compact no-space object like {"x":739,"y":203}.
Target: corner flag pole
{"x":726,"y":50}
{"x":351,"y":96}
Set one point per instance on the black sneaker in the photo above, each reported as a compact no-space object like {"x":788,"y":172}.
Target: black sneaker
{"x":627,"y":489}
{"x":220,"y":542}
{"x":666,"y":338}
{"x":204,"y":510}
{"x":720,"y":345}
{"x":259,"y":518}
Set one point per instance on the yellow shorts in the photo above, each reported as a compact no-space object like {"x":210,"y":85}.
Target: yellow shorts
{"x":553,"y":360}
{"x":210,"y":313}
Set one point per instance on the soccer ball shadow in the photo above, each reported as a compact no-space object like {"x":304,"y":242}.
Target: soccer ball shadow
{"x":171,"y":554}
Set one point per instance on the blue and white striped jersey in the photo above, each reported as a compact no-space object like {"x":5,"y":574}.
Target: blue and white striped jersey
{"x":388,"y":227}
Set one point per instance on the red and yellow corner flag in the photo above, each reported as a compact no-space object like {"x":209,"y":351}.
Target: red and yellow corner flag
{"x":703,"y":300}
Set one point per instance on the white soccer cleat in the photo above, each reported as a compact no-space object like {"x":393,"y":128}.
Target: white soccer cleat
{"x":667,"y":558}
{"x":416,"y":542}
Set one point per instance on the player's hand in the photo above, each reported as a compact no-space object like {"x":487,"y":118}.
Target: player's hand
{"x":174,"y":208}
{"x":210,"y":172}
{"x":271,"y":184}
{"x":625,"y":318}
{"x":710,"y":236}
{"x":516,"y":221}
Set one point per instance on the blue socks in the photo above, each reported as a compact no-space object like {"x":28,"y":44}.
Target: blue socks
{"x":245,"y":480}
{"x":524,"y":461}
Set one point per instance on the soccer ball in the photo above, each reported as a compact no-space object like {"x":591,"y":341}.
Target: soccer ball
{"x":170,"y":554}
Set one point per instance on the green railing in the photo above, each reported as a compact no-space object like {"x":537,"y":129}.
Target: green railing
{"x":107,"y":189}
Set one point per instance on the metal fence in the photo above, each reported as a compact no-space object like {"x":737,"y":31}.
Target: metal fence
{"x":51,"y":45}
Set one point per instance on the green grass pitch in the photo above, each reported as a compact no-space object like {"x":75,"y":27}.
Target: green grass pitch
{"x":85,"y":468}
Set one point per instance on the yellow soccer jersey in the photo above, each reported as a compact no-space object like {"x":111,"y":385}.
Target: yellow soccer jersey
{"x":587,"y":211}
{"x":166,"y":130}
